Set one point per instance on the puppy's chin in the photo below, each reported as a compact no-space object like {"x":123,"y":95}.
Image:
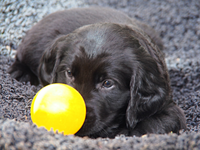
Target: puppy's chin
{"x":100,"y":129}
{"x":94,"y":131}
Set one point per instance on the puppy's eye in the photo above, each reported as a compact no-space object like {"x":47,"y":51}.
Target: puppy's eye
{"x":107,"y":83}
{"x":69,"y":73}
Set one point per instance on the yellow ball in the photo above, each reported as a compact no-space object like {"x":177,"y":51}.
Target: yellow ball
{"x":59,"y":107}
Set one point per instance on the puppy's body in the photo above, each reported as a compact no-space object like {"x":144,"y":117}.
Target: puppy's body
{"x":112,"y":60}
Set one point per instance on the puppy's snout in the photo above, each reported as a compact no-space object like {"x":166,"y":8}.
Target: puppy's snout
{"x":84,"y":90}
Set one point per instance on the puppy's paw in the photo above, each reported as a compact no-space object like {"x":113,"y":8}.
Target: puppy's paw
{"x":22,"y":73}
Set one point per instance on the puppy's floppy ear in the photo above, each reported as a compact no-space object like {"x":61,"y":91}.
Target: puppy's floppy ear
{"x":148,"y":88}
{"x":50,"y":61}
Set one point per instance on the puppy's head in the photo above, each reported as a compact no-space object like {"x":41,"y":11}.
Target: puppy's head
{"x":115,"y":68}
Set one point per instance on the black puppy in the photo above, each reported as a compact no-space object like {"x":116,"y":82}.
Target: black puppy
{"x":114,"y":62}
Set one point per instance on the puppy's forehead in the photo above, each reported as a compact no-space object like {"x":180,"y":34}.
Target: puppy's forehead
{"x":109,"y":61}
{"x":100,"y":38}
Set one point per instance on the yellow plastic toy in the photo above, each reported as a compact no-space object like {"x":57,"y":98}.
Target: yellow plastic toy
{"x":59,"y":107}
